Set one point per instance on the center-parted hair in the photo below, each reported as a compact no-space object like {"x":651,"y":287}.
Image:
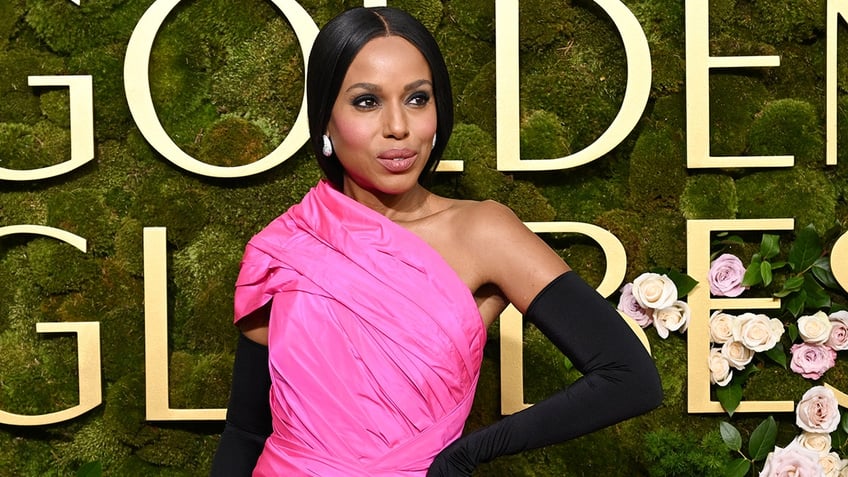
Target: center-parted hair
{"x":334,"y":50}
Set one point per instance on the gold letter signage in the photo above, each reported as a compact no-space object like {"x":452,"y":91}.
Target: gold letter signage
{"x":137,"y":88}
{"x":88,"y":345}
{"x":508,"y":111}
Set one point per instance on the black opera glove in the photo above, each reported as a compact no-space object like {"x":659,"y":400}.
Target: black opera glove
{"x":248,"y":412}
{"x":619,"y":380}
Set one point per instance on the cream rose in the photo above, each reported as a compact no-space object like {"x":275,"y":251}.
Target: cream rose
{"x":758,"y":332}
{"x":792,"y":460}
{"x":672,"y":318}
{"x":843,"y":468}
{"x":720,"y":372}
{"x":831,"y":464}
{"x":814,"y":329}
{"x":721,"y":327}
{"x":737,"y":354}
{"x":817,"y":411}
{"x":838,"y":339}
{"x":654,"y":291}
{"x":819,"y":442}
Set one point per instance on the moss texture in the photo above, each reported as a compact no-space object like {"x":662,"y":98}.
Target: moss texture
{"x":227,"y":83}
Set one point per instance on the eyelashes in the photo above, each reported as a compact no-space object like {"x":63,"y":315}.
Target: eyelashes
{"x":370,"y":101}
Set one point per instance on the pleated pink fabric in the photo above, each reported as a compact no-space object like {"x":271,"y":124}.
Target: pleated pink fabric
{"x":375,"y":343}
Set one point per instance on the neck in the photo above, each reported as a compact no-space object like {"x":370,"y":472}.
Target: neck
{"x":405,"y":206}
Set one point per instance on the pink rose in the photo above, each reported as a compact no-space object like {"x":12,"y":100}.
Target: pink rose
{"x":811,"y":360}
{"x":792,"y":460}
{"x":838,"y":339}
{"x":726,"y":273}
{"x":818,"y":410}
{"x":630,"y":307}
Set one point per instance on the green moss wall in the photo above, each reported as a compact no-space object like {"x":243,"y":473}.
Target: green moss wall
{"x":227,"y":79}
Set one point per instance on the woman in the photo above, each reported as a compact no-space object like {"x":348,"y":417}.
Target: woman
{"x":373,"y":294}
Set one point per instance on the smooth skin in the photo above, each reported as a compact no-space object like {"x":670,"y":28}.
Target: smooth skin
{"x":386,"y":110}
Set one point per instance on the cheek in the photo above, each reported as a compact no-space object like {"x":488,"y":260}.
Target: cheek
{"x":349,"y":135}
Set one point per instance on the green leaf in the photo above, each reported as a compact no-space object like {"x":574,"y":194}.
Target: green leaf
{"x":765,"y":272}
{"x":682,"y":281}
{"x":91,"y":469}
{"x":778,"y":355}
{"x":817,"y":296}
{"x":724,"y":238}
{"x":839,"y":436}
{"x":752,"y":274}
{"x":769,"y":246}
{"x":778,"y":265}
{"x":792,"y":330}
{"x":763,"y":439}
{"x":795,"y":303}
{"x":794,"y":283}
{"x":806,"y":249}
{"x":567,"y":363}
{"x":730,"y":396}
{"x":844,"y":422}
{"x":730,"y":435}
{"x":737,"y":468}
{"x":824,"y":273}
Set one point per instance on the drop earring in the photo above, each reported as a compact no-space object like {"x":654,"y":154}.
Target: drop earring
{"x":327,"y":150}
{"x":434,"y":140}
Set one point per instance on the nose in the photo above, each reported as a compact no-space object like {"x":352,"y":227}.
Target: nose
{"x":395,"y":122}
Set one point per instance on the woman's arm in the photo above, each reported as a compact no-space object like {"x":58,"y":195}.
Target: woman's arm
{"x":248,"y":421}
{"x":619,"y":378}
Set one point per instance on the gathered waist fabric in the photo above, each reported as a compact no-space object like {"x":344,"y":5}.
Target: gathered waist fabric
{"x":375,"y":343}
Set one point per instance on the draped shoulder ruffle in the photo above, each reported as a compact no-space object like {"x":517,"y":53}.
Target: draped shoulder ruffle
{"x":375,"y":343}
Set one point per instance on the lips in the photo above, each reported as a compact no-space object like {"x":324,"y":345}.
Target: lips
{"x":397,"y":160}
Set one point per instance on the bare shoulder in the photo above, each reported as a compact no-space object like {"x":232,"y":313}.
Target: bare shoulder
{"x":491,"y":222}
{"x":506,"y":253}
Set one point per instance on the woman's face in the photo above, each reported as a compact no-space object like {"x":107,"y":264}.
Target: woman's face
{"x":384,"y":119}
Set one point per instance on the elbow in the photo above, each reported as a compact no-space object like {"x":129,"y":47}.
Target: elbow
{"x":637,"y":385}
{"x":645,"y":386}
{"x":653,"y":390}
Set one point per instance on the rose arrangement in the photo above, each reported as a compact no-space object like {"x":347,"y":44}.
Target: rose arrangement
{"x":804,"y":339}
{"x":654,"y":298}
{"x":822,"y":336}
{"x":810,"y":453}
{"x":739,"y":337}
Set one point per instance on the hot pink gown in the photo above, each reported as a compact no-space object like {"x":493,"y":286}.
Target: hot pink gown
{"x":375,"y":343}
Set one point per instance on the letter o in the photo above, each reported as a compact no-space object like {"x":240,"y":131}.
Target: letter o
{"x":839,"y":261}
{"x":140,"y":101}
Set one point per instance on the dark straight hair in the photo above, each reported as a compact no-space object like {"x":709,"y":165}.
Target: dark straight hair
{"x":334,"y":50}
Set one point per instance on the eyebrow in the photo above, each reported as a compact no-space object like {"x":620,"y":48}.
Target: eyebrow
{"x":373,"y":87}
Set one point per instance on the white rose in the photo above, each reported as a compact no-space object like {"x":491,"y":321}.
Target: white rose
{"x":737,"y":354}
{"x":720,"y":372}
{"x":758,"y":332}
{"x":819,"y":442}
{"x":672,"y":318}
{"x":831,"y":464}
{"x":838,"y":339}
{"x":654,"y":291}
{"x":817,"y":411}
{"x":814,"y":329}
{"x":721,"y":327}
{"x":843,"y":468}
